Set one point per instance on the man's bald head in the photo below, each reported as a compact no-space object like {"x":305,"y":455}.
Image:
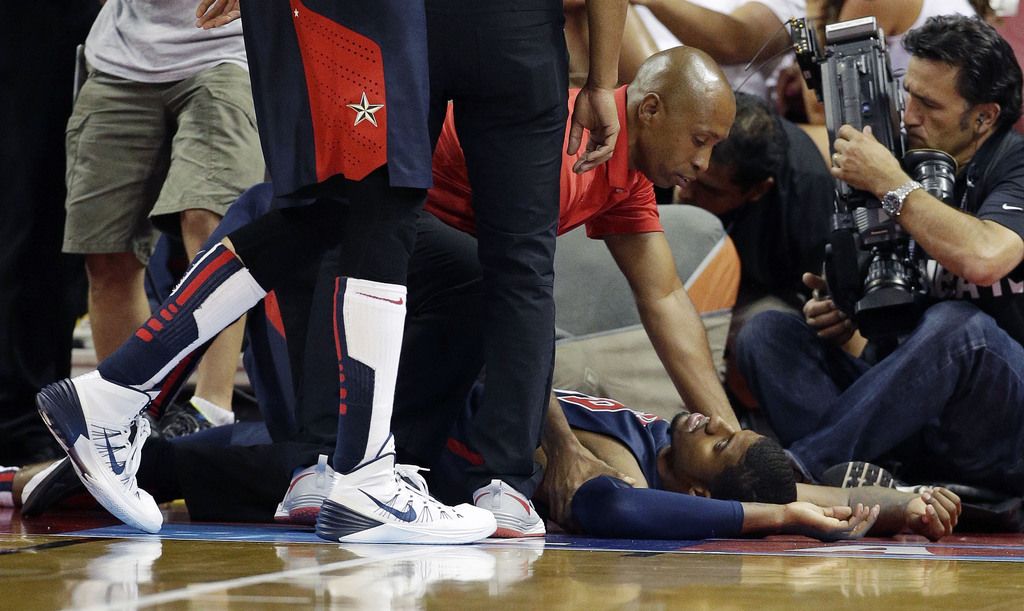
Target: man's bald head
{"x":679,"y":105}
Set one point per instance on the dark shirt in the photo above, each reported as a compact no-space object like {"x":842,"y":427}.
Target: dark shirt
{"x":644,"y":434}
{"x":991,"y":187}
{"x":783,"y":235}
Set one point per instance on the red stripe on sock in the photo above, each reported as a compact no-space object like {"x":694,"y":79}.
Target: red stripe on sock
{"x":339,"y":351}
{"x":202,"y":276}
{"x":154,"y":324}
{"x":171,"y":384}
{"x":166,"y":315}
{"x":144,"y":335}
{"x":459,"y":449}
{"x":173,"y":308}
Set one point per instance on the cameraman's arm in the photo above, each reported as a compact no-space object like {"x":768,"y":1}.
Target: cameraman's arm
{"x":979,"y":251}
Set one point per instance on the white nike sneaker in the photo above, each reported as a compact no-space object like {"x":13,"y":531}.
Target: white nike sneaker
{"x":375,"y":504}
{"x":310,"y":486}
{"x":99,"y":424}
{"x":514,"y":513}
{"x":306,"y":493}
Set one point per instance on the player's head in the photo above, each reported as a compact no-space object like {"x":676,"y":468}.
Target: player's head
{"x":678,"y":107}
{"x":708,"y":457}
{"x":963,"y":83}
{"x":744,"y":165}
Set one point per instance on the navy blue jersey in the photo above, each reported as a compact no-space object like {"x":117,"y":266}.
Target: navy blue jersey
{"x":644,"y":434}
{"x":325,"y":104}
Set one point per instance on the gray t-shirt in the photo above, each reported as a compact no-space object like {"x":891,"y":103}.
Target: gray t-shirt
{"x":156,"y":41}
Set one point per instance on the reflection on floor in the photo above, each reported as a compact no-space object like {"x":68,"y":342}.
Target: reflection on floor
{"x":82,"y":559}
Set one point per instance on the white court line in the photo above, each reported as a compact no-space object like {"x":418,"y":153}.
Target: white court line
{"x":193,"y":590}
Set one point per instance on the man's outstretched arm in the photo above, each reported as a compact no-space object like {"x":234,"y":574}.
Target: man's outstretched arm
{"x":933,"y":514}
{"x":606,"y":507}
{"x":671,"y":321}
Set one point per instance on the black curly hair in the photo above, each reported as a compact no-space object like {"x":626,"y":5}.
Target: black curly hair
{"x":988,"y":69}
{"x":763,"y":476}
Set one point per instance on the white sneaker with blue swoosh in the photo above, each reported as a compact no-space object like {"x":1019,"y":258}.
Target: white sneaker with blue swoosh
{"x":101,"y":427}
{"x":375,"y":504}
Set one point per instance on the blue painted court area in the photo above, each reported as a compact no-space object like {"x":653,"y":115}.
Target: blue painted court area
{"x":977,"y":549}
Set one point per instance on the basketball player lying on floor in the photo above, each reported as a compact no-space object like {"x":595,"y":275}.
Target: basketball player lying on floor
{"x":611,"y":471}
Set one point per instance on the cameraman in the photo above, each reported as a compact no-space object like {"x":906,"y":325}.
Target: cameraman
{"x":948,"y":403}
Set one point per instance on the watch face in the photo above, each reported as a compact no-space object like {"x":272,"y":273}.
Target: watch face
{"x":889,"y":203}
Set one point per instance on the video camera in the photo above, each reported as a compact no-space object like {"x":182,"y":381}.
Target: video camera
{"x":873,"y":267}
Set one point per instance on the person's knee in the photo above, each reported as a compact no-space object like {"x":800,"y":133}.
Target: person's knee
{"x":957,"y":321}
{"x":521,"y":260}
{"x":764,"y":329}
{"x":197,"y":224}
{"x":111,"y":270}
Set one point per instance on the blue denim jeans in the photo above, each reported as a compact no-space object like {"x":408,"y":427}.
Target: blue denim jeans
{"x":947,"y":404}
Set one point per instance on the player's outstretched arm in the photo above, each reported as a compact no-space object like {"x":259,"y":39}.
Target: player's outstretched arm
{"x":933,"y":513}
{"x":808,"y":519}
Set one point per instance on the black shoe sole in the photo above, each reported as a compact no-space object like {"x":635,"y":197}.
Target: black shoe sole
{"x":59,"y":484}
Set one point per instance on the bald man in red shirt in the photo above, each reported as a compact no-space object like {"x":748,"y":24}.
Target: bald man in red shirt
{"x":671,"y":116}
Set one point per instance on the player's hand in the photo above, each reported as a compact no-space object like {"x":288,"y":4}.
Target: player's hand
{"x":594,"y":110}
{"x":822,"y":315}
{"x":934,"y":513}
{"x":215,"y":13}
{"x":828,"y":523}
{"x":864,"y":163}
{"x":568,"y":469}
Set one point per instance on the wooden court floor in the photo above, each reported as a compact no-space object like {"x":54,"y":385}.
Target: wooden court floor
{"x":82,"y":559}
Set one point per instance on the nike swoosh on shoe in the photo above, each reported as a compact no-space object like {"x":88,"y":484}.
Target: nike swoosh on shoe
{"x":406,"y":516}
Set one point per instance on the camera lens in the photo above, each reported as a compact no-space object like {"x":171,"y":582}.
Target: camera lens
{"x":935,"y":170}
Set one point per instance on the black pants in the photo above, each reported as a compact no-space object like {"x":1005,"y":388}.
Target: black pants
{"x":41,"y":291}
{"x":505,"y":68}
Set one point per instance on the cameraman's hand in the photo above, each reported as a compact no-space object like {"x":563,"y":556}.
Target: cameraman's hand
{"x":822,"y":315}
{"x":864,"y":163}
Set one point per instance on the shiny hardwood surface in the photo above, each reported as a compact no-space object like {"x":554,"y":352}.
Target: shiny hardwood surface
{"x":51,"y":571}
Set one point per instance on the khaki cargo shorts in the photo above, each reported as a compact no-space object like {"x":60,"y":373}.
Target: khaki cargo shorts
{"x":140,"y":153}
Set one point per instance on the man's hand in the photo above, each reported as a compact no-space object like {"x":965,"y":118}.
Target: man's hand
{"x":822,"y":315}
{"x":828,"y":523}
{"x":215,"y":13}
{"x":594,"y":110}
{"x":934,"y":513}
{"x":864,"y":163}
{"x":568,"y":469}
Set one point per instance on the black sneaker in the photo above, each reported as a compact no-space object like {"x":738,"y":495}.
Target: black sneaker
{"x":48,"y":484}
{"x":856,"y":474}
{"x":182,"y":419}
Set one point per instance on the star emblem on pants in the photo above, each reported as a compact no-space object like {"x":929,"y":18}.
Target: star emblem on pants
{"x":365,"y":111}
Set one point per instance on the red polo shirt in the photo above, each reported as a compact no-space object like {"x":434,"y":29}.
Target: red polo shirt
{"x":610,"y":199}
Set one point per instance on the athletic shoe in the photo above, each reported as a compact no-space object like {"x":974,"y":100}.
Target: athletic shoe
{"x":514,"y":513}
{"x":47,"y":484}
{"x":310,"y":487}
{"x":856,"y":474}
{"x":306,"y":493}
{"x":99,"y":424}
{"x":182,"y":419}
{"x":374,"y":504}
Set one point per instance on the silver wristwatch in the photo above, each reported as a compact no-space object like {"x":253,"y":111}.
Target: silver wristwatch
{"x":892,"y":202}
